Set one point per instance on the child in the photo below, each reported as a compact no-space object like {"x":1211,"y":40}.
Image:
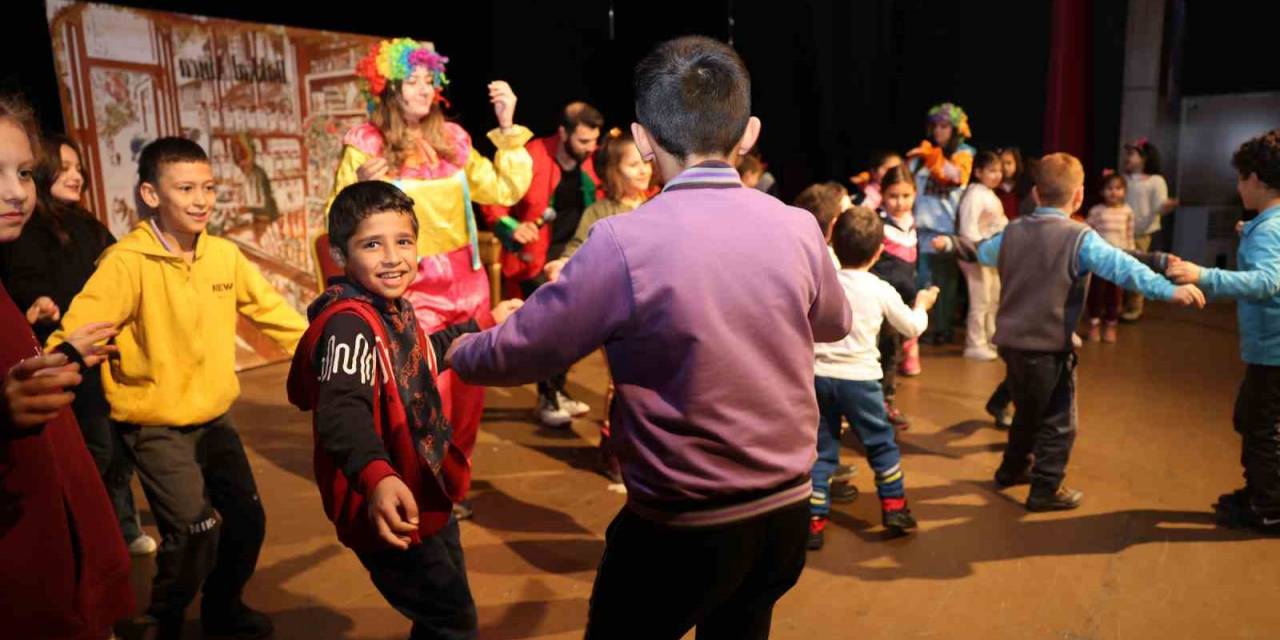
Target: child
{"x":1113,"y":220}
{"x":826,"y":201}
{"x":46,"y":268}
{"x":941,"y":165}
{"x":1148,"y":195}
{"x":981,"y":216}
{"x":755,"y":174}
{"x":690,"y":297}
{"x":176,"y":293}
{"x":1044,"y":261}
{"x":1014,"y":190}
{"x":868,"y":182}
{"x":897,"y":266}
{"x":1256,"y":286}
{"x":65,"y":569}
{"x":382,"y":439}
{"x":847,"y":373}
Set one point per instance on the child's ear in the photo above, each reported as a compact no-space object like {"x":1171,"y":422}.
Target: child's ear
{"x":749,"y":136}
{"x":644,"y":142}
{"x":338,"y":258}
{"x":150,"y":196}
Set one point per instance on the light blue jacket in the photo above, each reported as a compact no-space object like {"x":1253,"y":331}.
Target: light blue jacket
{"x":1097,"y":256}
{"x":1256,"y":284}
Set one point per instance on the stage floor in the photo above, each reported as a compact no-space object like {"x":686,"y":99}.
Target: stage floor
{"x":1141,"y":559}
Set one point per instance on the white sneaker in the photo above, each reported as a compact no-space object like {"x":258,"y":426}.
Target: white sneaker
{"x":981,"y":354}
{"x":573,"y":407}
{"x":552,"y":414}
{"x":143,"y":545}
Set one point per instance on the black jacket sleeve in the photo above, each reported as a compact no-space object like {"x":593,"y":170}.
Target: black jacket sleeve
{"x":345,"y":361}
{"x":441,"y":339}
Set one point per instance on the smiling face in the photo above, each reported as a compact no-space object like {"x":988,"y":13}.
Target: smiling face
{"x":17,"y":180}
{"x":69,"y":183}
{"x":382,"y":254}
{"x":183,"y":198}
{"x":417,"y":94}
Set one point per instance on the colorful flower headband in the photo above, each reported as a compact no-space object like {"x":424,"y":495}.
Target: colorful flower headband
{"x":1139,"y":145}
{"x":395,"y":60}
{"x":947,"y":112}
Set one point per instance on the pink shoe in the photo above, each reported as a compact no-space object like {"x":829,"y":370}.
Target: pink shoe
{"x":910,"y":358}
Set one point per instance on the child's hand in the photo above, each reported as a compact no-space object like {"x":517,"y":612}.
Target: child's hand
{"x":926,"y":298}
{"x":35,"y":389}
{"x":1240,"y":228}
{"x":44,"y":308}
{"x":86,"y":338}
{"x":1188,"y":295}
{"x":504,"y":103}
{"x":1183,"y":272}
{"x":553,"y":269}
{"x":505,"y":309}
{"x":1168,"y":206}
{"x":373,"y":169}
{"x":941,"y":244}
{"x":924,"y":148}
{"x":389,"y":497}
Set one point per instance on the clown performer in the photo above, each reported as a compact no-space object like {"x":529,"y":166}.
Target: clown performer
{"x":410,"y":143}
{"x":941,"y":165}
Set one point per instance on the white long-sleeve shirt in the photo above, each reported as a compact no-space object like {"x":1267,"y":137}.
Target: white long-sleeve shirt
{"x":981,"y":215}
{"x":873,"y":301}
{"x":1145,"y":195}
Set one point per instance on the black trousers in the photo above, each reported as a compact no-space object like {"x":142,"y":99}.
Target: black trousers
{"x":1257,"y":420}
{"x":203,"y":496}
{"x":1043,"y":387}
{"x":656,"y":582}
{"x":427,"y":583}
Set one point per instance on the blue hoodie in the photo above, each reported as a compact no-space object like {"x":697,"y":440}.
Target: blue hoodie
{"x":1256,"y":284}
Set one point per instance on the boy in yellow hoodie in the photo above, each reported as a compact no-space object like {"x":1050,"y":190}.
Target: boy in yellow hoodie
{"x":175,"y":292}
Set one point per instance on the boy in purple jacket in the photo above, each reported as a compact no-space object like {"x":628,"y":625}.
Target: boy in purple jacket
{"x":708,"y":300}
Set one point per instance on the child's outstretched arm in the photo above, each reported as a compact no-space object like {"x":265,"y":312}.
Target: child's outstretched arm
{"x":1098,"y":257}
{"x":1260,"y":283}
{"x":568,"y":319}
{"x":260,"y":302}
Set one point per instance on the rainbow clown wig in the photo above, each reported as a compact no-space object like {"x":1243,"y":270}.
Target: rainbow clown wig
{"x":947,"y":112}
{"x":395,"y":60}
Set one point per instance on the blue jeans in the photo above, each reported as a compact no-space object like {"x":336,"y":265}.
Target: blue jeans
{"x":862,"y":403}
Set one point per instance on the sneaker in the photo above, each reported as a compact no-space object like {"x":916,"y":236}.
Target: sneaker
{"x":573,"y":407}
{"x":1000,"y":414}
{"x":1063,"y":499}
{"x":817,"y":525}
{"x":1006,"y":478}
{"x":463,"y":511}
{"x":551,"y":414}
{"x":1109,"y":333}
{"x":238,"y":623}
{"x":896,"y":417}
{"x":143,"y":545}
{"x":910,"y":366}
{"x":843,"y":492}
{"x":898,"y":521}
{"x":1095,"y":331}
{"x":1131,"y":316}
{"x":981,"y":354}
{"x":148,"y":627}
{"x":844,"y":473}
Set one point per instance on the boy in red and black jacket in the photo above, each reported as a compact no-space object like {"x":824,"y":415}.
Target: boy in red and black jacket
{"x":385,"y":462}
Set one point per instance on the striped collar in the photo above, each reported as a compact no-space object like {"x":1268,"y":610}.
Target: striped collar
{"x":711,"y":174}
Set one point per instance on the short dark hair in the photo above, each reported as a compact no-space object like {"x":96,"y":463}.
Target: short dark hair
{"x":361,"y":200}
{"x":169,"y":150}
{"x":693,"y":94}
{"x":857,"y":236}
{"x":1149,"y":153}
{"x":984,"y":159}
{"x":1260,"y":155}
{"x":580,"y":113}
{"x":823,"y":201}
